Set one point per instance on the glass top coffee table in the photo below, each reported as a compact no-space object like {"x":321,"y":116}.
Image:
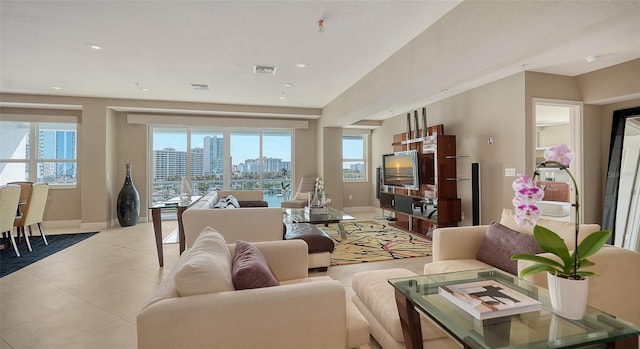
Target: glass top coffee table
{"x":299,"y":215}
{"x":536,"y":329}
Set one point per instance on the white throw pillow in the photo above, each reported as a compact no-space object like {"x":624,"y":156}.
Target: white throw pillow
{"x":207,"y":268}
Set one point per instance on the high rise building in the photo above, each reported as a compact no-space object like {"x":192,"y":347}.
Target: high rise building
{"x":169,"y":163}
{"x":213,"y":155}
{"x":56,"y":145}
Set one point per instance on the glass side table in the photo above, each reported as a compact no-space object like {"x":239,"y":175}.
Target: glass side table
{"x":156,"y":215}
{"x":537,"y":329}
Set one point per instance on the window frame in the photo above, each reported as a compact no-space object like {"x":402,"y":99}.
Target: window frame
{"x":226,"y":133}
{"x":365,"y":151}
{"x":33,"y":160}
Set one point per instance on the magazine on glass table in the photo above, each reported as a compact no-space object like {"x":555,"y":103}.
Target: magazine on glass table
{"x":488,"y":299}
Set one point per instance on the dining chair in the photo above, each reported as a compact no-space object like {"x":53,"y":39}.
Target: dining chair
{"x":9,"y":198}
{"x":33,"y":212}
{"x":25,"y":190}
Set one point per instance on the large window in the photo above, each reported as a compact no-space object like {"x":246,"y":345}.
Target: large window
{"x":354,"y":160}
{"x":39,"y":152}
{"x":217,"y":159}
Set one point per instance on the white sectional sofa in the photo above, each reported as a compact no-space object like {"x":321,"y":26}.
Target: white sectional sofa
{"x":194,"y":306}
{"x":248,"y":223}
{"x":456,"y":249}
{"x":244,"y":223}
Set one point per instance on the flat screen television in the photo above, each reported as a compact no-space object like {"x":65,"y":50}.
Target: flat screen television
{"x":400,"y":169}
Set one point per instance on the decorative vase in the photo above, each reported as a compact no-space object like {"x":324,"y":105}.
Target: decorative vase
{"x":318,"y":199}
{"x":128,"y":205}
{"x":568,"y":297}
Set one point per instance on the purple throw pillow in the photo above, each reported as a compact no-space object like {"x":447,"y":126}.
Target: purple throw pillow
{"x":500,"y":243}
{"x":250,"y":269}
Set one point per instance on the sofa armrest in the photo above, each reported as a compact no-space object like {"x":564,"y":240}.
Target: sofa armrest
{"x":305,"y":315}
{"x":287,"y":258}
{"x":457,"y":242}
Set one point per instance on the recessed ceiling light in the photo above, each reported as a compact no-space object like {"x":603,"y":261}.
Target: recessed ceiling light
{"x":283,"y":97}
{"x":301,"y":65}
{"x":144,"y":89}
{"x":288,"y":84}
{"x":94,"y":47}
{"x":56,"y":88}
{"x":591,"y":59}
{"x":444,"y":90}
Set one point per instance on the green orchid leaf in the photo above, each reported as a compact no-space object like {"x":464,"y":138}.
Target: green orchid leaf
{"x":538,"y":259}
{"x":593,"y":243}
{"x":537,"y":268}
{"x":586,"y":263}
{"x":552,"y":243}
{"x":586,"y":273}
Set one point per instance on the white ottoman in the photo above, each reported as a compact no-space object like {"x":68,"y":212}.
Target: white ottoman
{"x":375,"y":298}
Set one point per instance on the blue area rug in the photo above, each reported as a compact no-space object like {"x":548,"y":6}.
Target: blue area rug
{"x":9,"y":262}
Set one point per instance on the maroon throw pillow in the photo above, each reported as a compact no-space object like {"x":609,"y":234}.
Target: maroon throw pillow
{"x":250,"y":269}
{"x":500,"y":243}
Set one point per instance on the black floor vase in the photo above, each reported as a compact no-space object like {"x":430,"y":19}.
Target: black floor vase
{"x":128,"y":202}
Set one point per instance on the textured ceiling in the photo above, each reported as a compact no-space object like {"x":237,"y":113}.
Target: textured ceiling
{"x":155,"y":50}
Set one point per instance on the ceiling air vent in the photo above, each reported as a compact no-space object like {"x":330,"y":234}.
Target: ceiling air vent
{"x":263,"y":69}
{"x":200,"y":87}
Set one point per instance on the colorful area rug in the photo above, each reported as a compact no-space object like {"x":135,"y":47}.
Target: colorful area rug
{"x":369,"y":241}
{"x":9,"y":262}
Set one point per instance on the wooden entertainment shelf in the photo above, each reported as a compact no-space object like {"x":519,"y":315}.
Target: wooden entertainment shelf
{"x":436,"y":203}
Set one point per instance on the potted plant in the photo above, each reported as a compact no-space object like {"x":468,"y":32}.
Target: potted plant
{"x":568,"y":281}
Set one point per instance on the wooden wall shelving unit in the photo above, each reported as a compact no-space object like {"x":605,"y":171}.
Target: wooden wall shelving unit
{"x":436,"y":203}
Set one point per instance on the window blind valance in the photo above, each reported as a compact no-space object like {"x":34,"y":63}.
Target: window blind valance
{"x":39,"y":118}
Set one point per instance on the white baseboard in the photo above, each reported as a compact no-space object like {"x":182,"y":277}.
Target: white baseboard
{"x":61,"y":224}
{"x":93,"y":226}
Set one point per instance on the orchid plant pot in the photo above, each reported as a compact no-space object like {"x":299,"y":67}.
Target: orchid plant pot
{"x":567,"y":280}
{"x":568,"y":296}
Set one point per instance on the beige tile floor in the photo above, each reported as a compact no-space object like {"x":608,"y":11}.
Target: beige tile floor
{"x":88,"y":295}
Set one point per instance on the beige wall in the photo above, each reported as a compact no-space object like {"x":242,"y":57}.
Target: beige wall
{"x":305,"y":156}
{"x":493,"y":111}
{"x":611,"y":85}
{"x":552,"y":135}
{"x":501,"y":110}
{"x":106,"y":142}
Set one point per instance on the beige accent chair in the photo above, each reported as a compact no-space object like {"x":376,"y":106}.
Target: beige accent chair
{"x":9,"y":198}
{"x":33,"y":213}
{"x":301,"y":198}
{"x":455,"y":249}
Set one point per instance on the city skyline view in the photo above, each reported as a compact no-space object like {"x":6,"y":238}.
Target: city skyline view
{"x":280,"y":148}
